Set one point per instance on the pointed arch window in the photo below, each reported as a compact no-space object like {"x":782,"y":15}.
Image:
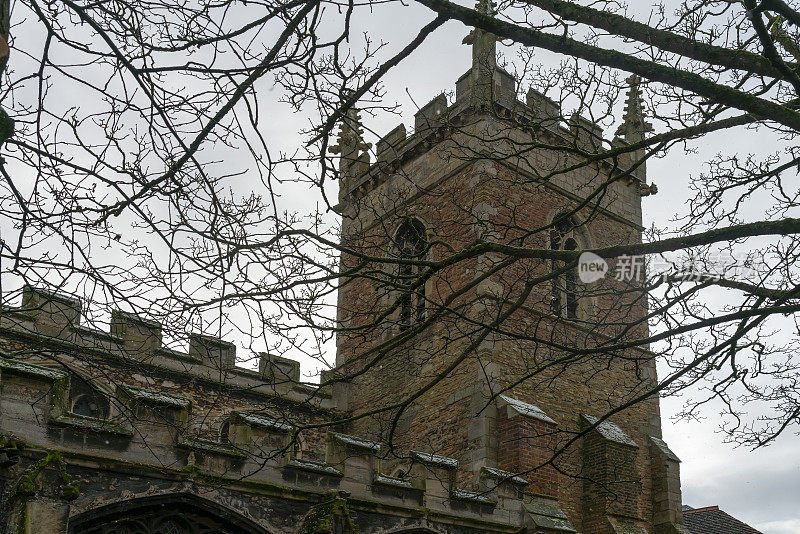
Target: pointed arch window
{"x":225,"y":432}
{"x":411,"y":244}
{"x":564,"y":300}
{"x":173,"y":513}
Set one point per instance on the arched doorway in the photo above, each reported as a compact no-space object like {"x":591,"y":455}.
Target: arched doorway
{"x":166,"y":514}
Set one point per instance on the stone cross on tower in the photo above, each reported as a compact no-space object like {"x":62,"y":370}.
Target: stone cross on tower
{"x":484,"y":56}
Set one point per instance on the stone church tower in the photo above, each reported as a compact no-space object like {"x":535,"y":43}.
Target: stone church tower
{"x":460,"y":345}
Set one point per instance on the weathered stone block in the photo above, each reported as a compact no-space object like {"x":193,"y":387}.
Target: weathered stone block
{"x":140,"y":336}
{"x":431,"y":113}
{"x":386,"y":148}
{"x":586,"y":133}
{"x":214,"y":352}
{"x":54,"y":313}
{"x":505,"y":88}
{"x":277,"y":369}
{"x":45,"y":517}
{"x":545,"y":110}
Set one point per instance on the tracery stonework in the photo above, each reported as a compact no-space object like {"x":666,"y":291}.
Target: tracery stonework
{"x":158,"y":524}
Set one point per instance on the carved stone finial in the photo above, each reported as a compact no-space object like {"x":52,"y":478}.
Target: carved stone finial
{"x":351,"y":146}
{"x":633,"y":125}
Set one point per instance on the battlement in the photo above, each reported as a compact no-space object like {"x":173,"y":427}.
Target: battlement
{"x":155,"y":436}
{"x":437,"y":120}
{"x":55,"y":320}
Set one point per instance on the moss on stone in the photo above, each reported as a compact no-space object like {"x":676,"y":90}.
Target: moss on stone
{"x":95,"y":424}
{"x":207,"y":445}
{"x":27,"y":484}
{"x":320,"y":518}
{"x":71,"y":491}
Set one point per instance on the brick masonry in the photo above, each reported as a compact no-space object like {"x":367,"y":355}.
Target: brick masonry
{"x":470,"y":183}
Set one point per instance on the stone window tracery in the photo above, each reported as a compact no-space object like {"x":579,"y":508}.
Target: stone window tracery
{"x":166,"y":524}
{"x":162,"y":515}
{"x":564,"y":300}
{"x":411,"y":244}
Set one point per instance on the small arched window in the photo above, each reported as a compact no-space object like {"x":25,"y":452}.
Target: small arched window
{"x":411,"y":245}
{"x":299,"y":448}
{"x":86,"y":401}
{"x":86,"y":406}
{"x":564,"y":300}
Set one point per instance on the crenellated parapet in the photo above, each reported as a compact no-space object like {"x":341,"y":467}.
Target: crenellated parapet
{"x":156,"y":430}
{"x":538,"y":118}
{"x":53,"y":321}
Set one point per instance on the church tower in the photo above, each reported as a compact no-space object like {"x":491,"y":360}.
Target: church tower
{"x":465,"y":328}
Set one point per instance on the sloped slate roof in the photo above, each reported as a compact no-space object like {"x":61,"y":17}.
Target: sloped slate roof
{"x":712,"y":520}
{"x":662,"y":445}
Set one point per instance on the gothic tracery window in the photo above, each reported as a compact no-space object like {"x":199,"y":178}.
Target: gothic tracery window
{"x":564,"y":300}
{"x":180,"y":516}
{"x":160,"y":524}
{"x":411,"y":245}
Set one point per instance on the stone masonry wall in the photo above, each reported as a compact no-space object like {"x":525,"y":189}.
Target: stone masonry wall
{"x":507,"y":201}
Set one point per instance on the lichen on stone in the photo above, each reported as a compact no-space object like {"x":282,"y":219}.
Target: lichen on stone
{"x":435,"y":459}
{"x":503,"y":476}
{"x":526,"y":409}
{"x":208,"y":445}
{"x":29,"y":369}
{"x":263,"y":420}
{"x":27,"y":483}
{"x":610,"y":431}
{"x":156,"y":397}
{"x":314,"y":467}
{"x":320,"y":519}
{"x":471,"y":496}
{"x":354,"y":441}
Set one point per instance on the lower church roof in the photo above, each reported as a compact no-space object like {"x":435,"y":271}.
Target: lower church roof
{"x":712,"y":520}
